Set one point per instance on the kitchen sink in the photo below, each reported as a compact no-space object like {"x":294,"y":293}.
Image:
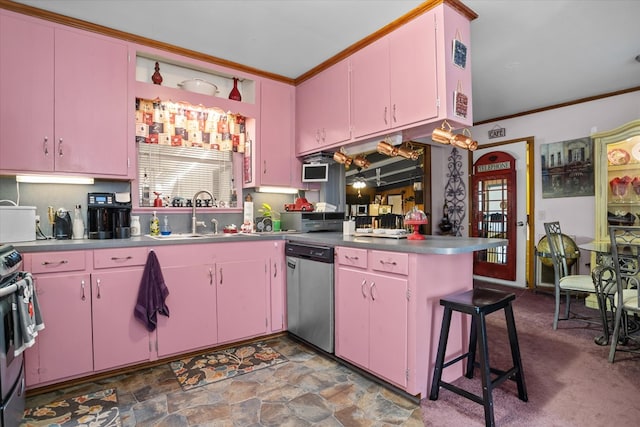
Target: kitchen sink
{"x":189,"y":236}
{"x":177,"y":236}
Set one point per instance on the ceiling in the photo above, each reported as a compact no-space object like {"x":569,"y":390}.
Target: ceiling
{"x":525,"y":54}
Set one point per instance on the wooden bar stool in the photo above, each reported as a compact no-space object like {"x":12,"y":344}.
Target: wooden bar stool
{"x":478,"y":303}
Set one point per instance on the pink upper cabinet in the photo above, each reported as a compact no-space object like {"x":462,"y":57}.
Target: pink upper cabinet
{"x":64,"y":99}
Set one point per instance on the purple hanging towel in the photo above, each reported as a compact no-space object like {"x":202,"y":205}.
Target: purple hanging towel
{"x":152,"y":294}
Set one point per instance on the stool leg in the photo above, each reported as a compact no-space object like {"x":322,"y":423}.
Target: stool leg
{"x":515,"y":353}
{"x":487,"y":385}
{"x":473,"y":341}
{"x":442,"y":348}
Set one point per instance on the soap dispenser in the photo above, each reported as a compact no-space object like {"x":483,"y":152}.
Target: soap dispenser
{"x":154,"y":226}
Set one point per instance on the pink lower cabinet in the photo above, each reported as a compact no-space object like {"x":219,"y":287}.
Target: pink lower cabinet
{"x":277,"y":280}
{"x":64,"y":348}
{"x":242,"y":293}
{"x":388,"y":314}
{"x":242,"y":290}
{"x":119,"y":339}
{"x":371,"y":322}
{"x":189,"y":272}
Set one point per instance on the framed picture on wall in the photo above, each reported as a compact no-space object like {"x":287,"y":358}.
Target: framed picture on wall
{"x":567,"y":168}
{"x":459,"y":53}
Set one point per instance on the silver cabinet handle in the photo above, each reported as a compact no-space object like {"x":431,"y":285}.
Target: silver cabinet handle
{"x":211,"y":276}
{"x":373,"y":285}
{"x":264,"y":171}
{"x":98,"y":288}
{"x":82,"y":285}
{"x":385,"y":116}
{"x":351,"y":258}
{"x":388,"y":262}
{"x":364,"y":292}
{"x":394,"y":113}
{"x":45,"y":146}
{"x":60,"y":153}
{"x":64,"y":261}
{"x":121,"y":258}
{"x":275,"y":269}
{"x":221,"y":275}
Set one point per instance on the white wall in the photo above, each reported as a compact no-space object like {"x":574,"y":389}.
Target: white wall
{"x":576,"y":214}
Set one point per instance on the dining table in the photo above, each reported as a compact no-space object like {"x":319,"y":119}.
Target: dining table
{"x":604,"y":280}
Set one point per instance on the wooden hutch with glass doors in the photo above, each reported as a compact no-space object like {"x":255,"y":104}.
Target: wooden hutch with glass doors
{"x":617,"y":178}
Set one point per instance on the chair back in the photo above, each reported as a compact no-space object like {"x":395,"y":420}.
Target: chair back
{"x":556,"y":246}
{"x":625,"y":257}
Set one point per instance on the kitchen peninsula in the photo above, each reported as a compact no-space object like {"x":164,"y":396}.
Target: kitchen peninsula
{"x":88,"y":288}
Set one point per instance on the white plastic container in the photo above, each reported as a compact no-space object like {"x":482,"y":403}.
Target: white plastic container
{"x":17,"y":224}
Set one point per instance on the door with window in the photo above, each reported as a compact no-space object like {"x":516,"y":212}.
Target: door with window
{"x":513,"y":186}
{"x":494,"y":189}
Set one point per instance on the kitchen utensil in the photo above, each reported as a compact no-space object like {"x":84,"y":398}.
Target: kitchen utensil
{"x":63,"y":226}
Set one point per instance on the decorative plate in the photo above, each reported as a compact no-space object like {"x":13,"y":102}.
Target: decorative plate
{"x":618,"y":157}
{"x":635,"y":151}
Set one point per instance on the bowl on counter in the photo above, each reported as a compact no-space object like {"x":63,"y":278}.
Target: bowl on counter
{"x":199,"y":86}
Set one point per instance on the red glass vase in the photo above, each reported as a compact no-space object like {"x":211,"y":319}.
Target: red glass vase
{"x":235,"y":93}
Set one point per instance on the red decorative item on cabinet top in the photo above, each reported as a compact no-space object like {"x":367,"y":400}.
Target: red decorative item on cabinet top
{"x":235,"y":93}
{"x":156,"y":78}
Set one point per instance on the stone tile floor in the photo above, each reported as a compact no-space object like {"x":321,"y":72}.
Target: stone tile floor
{"x":308,"y":390}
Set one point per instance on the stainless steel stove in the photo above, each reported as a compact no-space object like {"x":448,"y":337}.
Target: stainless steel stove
{"x":12,"y":385}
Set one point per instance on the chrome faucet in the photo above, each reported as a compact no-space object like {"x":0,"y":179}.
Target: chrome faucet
{"x":194,"y":220}
{"x":215,"y":225}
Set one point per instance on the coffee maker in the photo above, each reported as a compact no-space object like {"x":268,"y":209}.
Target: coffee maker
{"x":109,"y":215}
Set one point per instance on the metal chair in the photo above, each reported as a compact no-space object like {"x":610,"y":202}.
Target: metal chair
{"x":566,"y":283}
{"x":625,"y":253}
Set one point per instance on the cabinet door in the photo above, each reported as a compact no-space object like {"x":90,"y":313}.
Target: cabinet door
{"x":370,"y":96}
{"x":242,"y":295}
{"x":335,"y":124}
{"x":192,"y":309}
{"x":322,"y":110}
{"x":118,"y":337}
{"x":276,"y":144}
{"x":413,"y":79}
{"x":91,"y":104}
{"x":278,"y":276}
{"x":308,"y":115}
{"x":388,"y":327}
{"x":26,"y":103}
{"x":65,"y":345}
{"x":352,"y":316}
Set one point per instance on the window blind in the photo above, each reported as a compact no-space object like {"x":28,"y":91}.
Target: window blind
{"x":183,"y":171}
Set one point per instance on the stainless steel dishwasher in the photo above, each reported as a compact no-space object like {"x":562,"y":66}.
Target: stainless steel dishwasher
{"x":310,"y":294}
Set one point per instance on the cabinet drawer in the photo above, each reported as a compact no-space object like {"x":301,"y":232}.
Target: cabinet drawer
{"x":119,"y":257}
{"x":53,"y":262}
{"x":390,"y":262}
{"x":352,"y":257}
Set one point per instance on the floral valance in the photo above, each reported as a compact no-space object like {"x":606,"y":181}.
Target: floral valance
{"x":181,"y":124}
